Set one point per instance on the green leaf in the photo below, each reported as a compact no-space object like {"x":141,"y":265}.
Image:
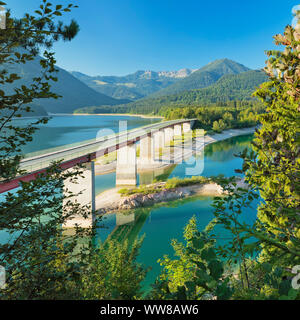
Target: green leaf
{"x":292,"y":294}
{"x":284,"y":287}
{"x":278,"y":272}
{"x":197,"y":243}
{"x":208,"y":254}
{"x":216,"y":269}
{"x":190,"y":285}
{"x":223,"y":291}
{"x":267,"y":267}
{"x":181,"y":293}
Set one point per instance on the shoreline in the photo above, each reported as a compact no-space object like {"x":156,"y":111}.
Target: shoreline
{"x":107,"y":114}
{"x":111,"y":201}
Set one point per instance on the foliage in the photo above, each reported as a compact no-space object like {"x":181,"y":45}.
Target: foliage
{"x":196,"y":274}
{"x":177,"y":182}
{"x":218,"y":126}
{"x":274,"y":168}
{"x":113,"y":272}
{"x":272,"y":171}
{"x":229,"y":116}
{"x":142,"y":189}
{"x":234,"y":114}
{"x":261,"y":254}
{"x":40,"y":261}
{"x":169,"y":184}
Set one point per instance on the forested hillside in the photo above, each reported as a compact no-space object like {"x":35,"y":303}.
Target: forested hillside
{"x":237,"y":87}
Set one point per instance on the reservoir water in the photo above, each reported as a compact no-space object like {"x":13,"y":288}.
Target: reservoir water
{"x":68,"y":129}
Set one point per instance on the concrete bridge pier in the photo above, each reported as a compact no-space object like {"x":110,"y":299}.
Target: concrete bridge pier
{"x":186,"y":127}
{"x":126,"y":171}
{"x":168,"y":150}
{"x":169,"y":134}
{"x":146,"y":150}
{"x":86,"y":186}
{"x":159,"y":142}
{"x":177,"y":130}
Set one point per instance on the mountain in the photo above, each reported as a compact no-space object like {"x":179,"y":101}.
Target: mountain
{"x":203,"y":77}
{"x":36,"y":111}
{"x":152,"y":84}
{"x":230,"y":87}
{"x":133,"y":86}
{"x":75,"y":94}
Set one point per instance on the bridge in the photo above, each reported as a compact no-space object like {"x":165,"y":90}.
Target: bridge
{"x":151,"y":138}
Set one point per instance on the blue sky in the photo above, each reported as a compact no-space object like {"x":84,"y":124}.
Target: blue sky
{"x":119,"y":37}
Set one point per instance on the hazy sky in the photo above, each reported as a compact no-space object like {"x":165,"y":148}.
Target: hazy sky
{"x":118,"y":37}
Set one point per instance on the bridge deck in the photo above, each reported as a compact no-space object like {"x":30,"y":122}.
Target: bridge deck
{"x":71,"y":155}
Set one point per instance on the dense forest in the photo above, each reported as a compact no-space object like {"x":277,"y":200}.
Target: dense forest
{"x":234,"y":114}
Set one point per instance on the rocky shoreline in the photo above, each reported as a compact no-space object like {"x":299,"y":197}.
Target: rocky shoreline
{"x":117,"y":202}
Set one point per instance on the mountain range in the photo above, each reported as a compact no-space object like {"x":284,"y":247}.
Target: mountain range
{"x":230,"y":87}
{"x":162,"y":83}
{"x":203,"y":77}
{"x":133,"y":86}
{"x":142,"y":91}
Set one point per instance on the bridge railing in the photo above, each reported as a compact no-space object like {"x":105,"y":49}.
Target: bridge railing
{"x":77,"y":150}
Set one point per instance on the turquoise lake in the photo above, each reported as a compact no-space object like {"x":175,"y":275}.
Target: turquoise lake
{"x":159,"y":224}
